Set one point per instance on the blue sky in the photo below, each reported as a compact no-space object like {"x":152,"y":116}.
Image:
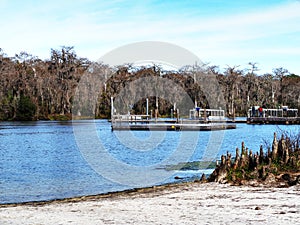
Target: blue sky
{"x":219,"y":32}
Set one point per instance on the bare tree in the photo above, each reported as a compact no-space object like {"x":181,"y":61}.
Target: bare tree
{"x":280,"y":73}
{"x":232,"y":81}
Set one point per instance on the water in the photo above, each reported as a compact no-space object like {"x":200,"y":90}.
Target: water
{"x":42,"y":161}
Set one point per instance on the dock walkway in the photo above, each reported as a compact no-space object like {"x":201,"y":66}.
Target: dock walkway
{"x":170,"y":125}
{"x":273,"y":120}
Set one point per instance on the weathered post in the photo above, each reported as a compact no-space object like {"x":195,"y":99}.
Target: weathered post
{"x":156,"y":110}
{"x":228,"y":160}
{"x":285,"y":151}
{"x":223,"y":160}
{"x":261,"y":154}
{"x":237,"y":158}
{"x":274,"y":148}
{"x":233,"y":115}
{"x":147,"y":107}
{"x":251,"y":160}
{"x":256,"y":161}
{"x":203,"y":178}
{"x":112,"y":107}
{"x":243,"y":148}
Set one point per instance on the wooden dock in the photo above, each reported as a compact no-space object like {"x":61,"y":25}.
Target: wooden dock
{"x":198,"y":120}
{"x":274,"y":120}
{"x":283,"y":115}
{"x":170,"y":125}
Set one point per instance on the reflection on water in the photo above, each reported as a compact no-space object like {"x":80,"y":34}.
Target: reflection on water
{"x":41,"y":161}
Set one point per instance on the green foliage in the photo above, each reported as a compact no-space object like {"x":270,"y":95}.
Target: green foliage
{"x":59,"y":117}
{"x":230,"y":173}
{"x":6,"y":108}
{"x":26,"y":109}
{"x":293,"y":76}
{"x":239,"y":174}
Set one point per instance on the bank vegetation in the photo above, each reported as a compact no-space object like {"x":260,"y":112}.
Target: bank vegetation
{"x":35,"y":89}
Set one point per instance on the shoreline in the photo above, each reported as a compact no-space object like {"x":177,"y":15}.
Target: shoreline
{"x":108,"y":195}
{"x":184,"y":203}
{"x":151,"y":190}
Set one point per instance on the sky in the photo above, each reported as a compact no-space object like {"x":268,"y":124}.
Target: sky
{"x":222,"y":33}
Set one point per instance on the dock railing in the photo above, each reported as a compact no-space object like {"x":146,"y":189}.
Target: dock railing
{"x":267,"y":113}
{"x":207,"y":114}
{"x":282,"y":115}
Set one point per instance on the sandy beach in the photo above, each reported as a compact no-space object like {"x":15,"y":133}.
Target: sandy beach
{"x":191,"y":203}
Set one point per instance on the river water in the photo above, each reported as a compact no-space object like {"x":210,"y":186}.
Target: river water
{"x":47,"y":160}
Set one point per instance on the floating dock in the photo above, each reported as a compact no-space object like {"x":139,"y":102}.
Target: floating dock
{"x":274,"y":120}
{"x":199,"y":120}
{"x":284,"y":115}
{"x":169,"y":125}
{"x":174,"y":127}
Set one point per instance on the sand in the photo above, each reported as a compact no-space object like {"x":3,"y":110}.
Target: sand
{"x":192,"y":203}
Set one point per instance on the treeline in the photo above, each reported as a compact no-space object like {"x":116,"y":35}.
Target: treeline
{"x":31,"y":88}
